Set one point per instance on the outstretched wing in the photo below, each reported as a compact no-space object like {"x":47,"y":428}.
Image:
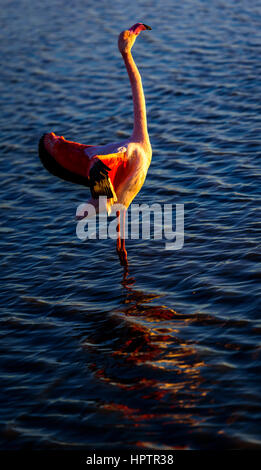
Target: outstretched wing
{"x":69,"y":161}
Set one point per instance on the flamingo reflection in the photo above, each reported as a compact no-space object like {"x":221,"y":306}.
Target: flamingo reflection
{"x":158,"y":370}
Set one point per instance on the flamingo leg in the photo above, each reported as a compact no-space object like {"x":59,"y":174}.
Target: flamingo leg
{"x":118,"y":214}
{"x":121,"y":250}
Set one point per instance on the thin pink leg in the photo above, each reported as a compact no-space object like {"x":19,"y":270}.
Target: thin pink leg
{"x":118,"y":214}
{"x":123,"y":231}
{"x":121,"y":250}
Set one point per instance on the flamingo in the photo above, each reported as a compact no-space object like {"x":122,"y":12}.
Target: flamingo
{"x":116,"y":170}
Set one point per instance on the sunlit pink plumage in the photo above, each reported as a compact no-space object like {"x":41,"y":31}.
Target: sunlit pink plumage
{"x":117,"y":170}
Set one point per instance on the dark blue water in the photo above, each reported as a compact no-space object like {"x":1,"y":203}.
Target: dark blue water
{"x":169,"y":354}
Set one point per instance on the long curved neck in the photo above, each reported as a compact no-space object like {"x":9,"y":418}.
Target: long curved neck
{"x":140,"y":132}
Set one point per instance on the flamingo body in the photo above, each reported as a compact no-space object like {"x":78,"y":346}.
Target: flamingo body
{"x":119,"y":176}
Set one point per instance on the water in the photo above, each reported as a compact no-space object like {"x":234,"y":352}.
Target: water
{"x":167,"y":355}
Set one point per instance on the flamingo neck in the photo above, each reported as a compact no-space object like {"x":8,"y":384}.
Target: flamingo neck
{"x":140,"y":132}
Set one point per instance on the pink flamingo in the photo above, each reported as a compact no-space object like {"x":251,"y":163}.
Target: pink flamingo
{"x":117,"y":170}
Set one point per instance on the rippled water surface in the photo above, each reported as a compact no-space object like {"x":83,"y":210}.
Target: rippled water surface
{"x":167,"y":355}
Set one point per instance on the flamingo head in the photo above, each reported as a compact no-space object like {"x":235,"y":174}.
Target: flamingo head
{"x":127,"y":38}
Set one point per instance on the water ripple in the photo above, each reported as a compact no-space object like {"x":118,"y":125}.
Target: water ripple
{"x":167,"y":355}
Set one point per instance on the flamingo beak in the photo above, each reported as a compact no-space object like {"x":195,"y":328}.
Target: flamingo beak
{"x":138,"y":27}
